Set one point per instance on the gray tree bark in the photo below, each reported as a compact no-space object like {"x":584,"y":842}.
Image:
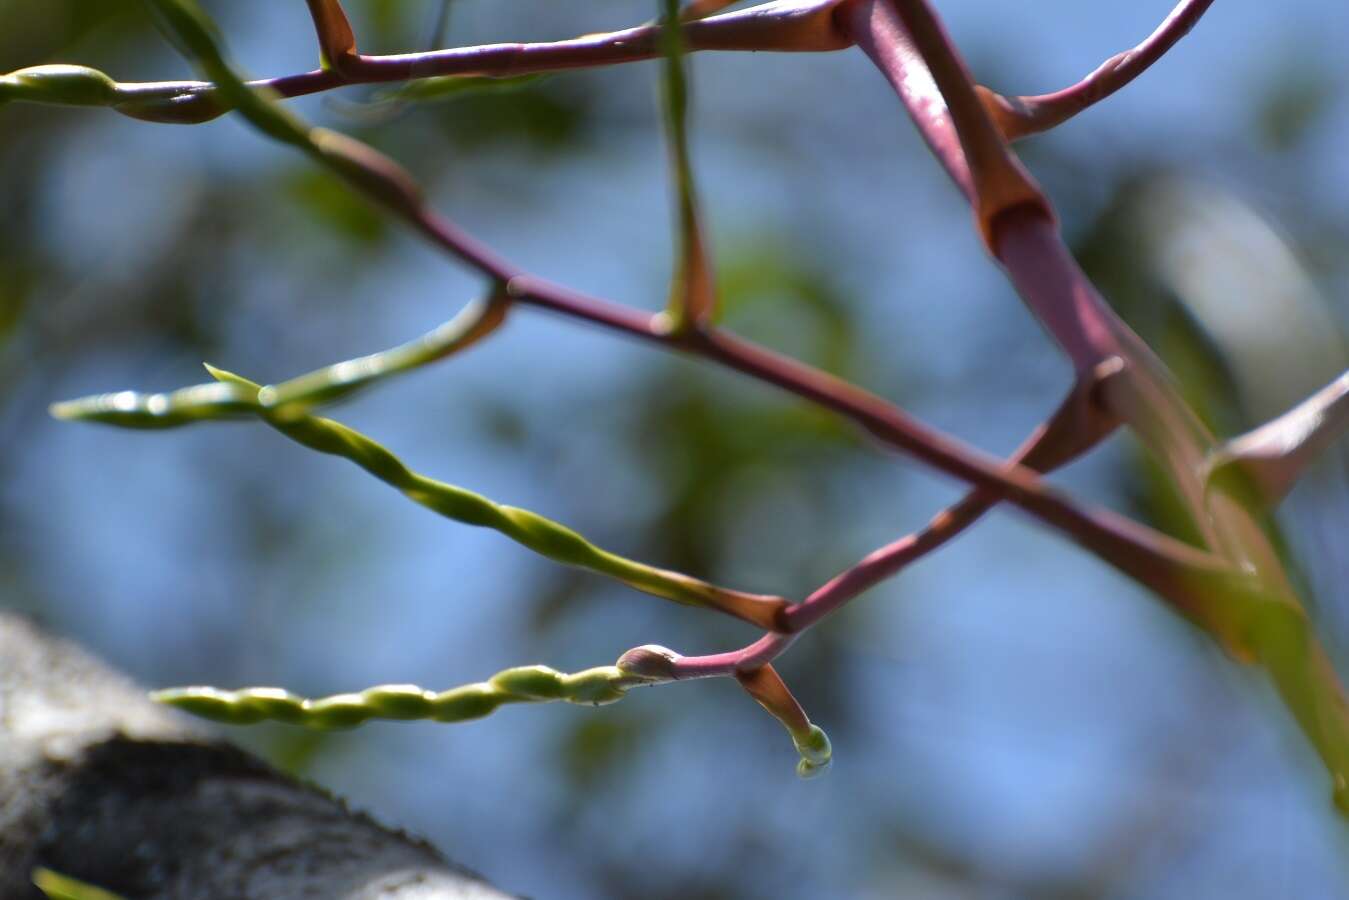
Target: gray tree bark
{"x":100,"y":784}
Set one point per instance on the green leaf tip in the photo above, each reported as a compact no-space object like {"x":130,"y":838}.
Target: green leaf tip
{"x":63,"y":887}
{"x":1340,"y":796}
{"x":227,"y":377}
{"x":817,"y":754}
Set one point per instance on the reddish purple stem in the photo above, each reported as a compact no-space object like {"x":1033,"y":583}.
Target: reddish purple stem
{"x":783,"y":25}
{"x":1021,"y":116}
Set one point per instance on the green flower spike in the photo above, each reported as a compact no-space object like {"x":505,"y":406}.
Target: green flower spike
{"x":524,"y":684}
{"x":234,"y":395}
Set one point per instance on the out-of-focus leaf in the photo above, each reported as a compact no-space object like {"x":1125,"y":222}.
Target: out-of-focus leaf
{"x":540,"y":115}
{"x":385,"y":22}
{"x":326,"y":198}
{"x":455,"y":87}
{"x":1235,"y":273}
{"x":755,"y":275}
{"x":1291,"y":105}
{"x":1214,"y":288}
{"x":13,"y":297}
{"x":1121,"y":259}
{"x":295,"y":751}
{"x":595,"y":746}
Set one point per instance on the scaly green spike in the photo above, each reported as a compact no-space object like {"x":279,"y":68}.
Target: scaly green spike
{"x":524,"y":684}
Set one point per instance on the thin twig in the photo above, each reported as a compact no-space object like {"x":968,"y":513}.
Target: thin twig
{"x":1018,"y":117}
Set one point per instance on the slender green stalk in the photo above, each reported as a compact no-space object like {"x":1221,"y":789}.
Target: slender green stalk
{"x":692,"y":291}
{"x":234,"y":395}
{"x":336,"y":382}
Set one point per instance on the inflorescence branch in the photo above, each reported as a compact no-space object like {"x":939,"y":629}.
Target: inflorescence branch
{"x":1233,"y":586}
{"x":782,"y":26}
{"x":1257,"y":618}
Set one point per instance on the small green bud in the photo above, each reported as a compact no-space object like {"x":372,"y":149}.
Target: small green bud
{"x":814,"y":746}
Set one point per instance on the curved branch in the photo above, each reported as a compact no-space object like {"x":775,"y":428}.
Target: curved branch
{"x":232,"y":396}
{"x":1018,"y":117}
{"x":1256,"y":618}
{"x":899,"y":37}
{"x":1178,"y":571}
{"x":1196,"y":582}
{"x":1076,"y":426}
{"x":782,"y":25}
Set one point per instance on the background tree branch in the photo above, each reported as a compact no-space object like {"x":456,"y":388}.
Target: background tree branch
{"x":98,"y":783}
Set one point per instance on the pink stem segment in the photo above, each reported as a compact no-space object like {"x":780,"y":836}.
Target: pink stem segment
{"x":783,"y":25}
{"x":1018,"y":117}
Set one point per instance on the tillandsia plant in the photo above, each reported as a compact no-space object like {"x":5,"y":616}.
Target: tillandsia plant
{"x":1229,"y":581}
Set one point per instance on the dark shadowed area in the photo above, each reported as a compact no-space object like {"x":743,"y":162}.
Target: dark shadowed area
{"x":1010,"y":718}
